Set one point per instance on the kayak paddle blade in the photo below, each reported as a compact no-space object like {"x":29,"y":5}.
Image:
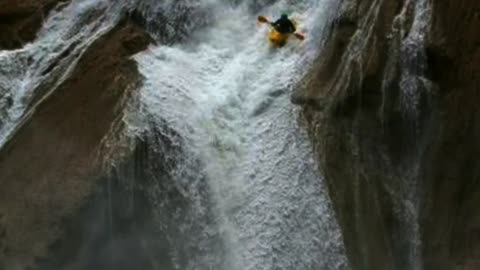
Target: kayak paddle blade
{"x":299,"y":36}
{"x":262,"y":19}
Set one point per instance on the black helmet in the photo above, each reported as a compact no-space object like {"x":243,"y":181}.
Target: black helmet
{"x":284,"y":16}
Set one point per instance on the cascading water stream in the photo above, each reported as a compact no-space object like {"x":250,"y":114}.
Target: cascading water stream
{"x":226,"y":93}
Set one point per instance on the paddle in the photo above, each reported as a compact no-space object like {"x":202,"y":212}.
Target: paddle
{"x":299,"y":36}
{"x":263,"y":19}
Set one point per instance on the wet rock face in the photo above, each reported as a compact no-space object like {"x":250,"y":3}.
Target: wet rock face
{"x":392,"y":107}
{"x":50,"y":168}
{"x":120,"y":226}
{"x":451,"y":167}
{"x":21,"y":19}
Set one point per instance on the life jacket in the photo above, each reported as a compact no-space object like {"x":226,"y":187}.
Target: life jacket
{"x":284,"y":26}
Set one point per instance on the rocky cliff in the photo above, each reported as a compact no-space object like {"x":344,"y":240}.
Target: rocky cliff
{"x":50,"y":170}
{"x":20,"y":20}
{"x":77,"y":192}
{"x":391,"y":105}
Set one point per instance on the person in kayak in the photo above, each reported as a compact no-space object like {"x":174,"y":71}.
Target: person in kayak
{"x":284,"y":25}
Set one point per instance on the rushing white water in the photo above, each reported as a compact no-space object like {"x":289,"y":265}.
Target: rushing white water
{"x":227,"y":94}
{"x":225,"y":91}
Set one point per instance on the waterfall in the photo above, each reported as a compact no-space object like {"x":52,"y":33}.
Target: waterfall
{"x":415,"y":89}
{"x":216,"y":89}
{"x":227,"y":95}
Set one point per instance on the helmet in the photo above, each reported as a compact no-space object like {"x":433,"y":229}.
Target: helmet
{"x":284,"y":16}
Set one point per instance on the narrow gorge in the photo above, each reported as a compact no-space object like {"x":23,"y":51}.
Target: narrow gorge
{"x":165,"y":135}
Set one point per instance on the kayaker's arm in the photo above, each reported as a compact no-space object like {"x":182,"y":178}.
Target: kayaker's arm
{"x":292,"y":27}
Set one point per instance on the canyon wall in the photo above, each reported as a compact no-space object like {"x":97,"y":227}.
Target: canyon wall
{"x":50,"y":168}
{"x":391,"y":106}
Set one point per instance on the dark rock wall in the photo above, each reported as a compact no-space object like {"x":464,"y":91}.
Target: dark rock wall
{"x":393,"y":111}
{"x":451,"y":169}
{"x":21,"y":19}
{"x":48,"y":169}
{"x":119,"y":226}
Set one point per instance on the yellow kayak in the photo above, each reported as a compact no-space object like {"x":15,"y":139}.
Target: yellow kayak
{"x":277,"y":38}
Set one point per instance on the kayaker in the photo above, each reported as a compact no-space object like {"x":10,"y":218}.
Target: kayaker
{"x":284,"y":25}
